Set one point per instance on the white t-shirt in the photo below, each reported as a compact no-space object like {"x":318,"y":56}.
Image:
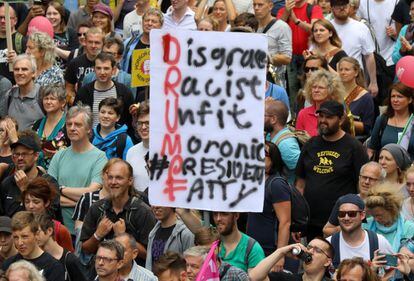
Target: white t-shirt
{"x":136,"y":157}
{"x":348,"y":252}
{"x":379,"y":18}
{"x":356,"y":38}
{"x":132,"y":24}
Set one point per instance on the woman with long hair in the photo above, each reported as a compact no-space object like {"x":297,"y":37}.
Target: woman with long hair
{"x":395,"y":125}
{"x":223,"y":11}
{"x":102,"y":17}
{"x":358,"y":100}
{"x":325,"y":41}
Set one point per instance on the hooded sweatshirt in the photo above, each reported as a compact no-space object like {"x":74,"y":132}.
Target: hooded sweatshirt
{"x":113,"y":140}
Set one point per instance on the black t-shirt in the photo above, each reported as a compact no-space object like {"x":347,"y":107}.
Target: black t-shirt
{"x":6,"y":159}
{"x":48,"y":266}
{"x":401,"y":12}
{"x":19,"y":45}
{"x":160,"y":239}
{"x":67,"y":40}
{"x":72,"y":267}
{"x":165,"y":5}
{"x":140,"y":92}
{"x":138,"y":46}
{"x":330,"y":170}
{"x":263,"y":226}
{"x":78,"y":68}
{"x":284,"y":276}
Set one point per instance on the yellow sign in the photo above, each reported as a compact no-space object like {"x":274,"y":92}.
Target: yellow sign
{"x":140,"y":68}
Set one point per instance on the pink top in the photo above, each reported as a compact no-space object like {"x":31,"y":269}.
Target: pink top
{"x":308,"y":121}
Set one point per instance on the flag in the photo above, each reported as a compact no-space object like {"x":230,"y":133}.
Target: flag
{"x":210,"y":271}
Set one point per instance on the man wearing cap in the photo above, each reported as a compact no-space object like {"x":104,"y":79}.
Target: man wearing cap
{"x":328,"y":166}
{"x":25,"y":153}
{"x":7,"y":248}
{"x":356,"y":40}
{"x":352,"y":240}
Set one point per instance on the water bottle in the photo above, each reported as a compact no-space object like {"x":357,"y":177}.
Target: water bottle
{"x":302,"y":255}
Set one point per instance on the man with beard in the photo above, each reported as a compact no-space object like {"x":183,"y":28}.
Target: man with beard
{"x":276,"y":115}
{"x":25,"y":153}
{"x":237,"y":249}
{"x":352,"y":240}
{"x":121,"y":212}
{"x":328,"y":166}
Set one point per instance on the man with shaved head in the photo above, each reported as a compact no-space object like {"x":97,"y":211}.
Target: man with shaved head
{"x":276,"y":115}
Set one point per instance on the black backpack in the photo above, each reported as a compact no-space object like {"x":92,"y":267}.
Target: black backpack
{"x":299,"y":212}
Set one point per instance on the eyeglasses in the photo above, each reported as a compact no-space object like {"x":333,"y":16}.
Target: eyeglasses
{"x":81,"y":34}
{"x":317,"y":250}
{"x":141,"y":123}
{"x":311,"y":69}
{"x":23,"y":154}
{"x":105,"y":259}
{"x":351,"y":214}
{"x":365,"y":178}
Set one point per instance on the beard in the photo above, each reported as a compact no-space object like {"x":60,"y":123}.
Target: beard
{"x":268,"y":128}
{"x":350,"y":230}
{"x":328,"y":131}
{"x":341,"y":16}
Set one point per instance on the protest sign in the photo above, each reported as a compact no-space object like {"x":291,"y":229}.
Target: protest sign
{"x":140,"y":70}
{"x":207,"y":112}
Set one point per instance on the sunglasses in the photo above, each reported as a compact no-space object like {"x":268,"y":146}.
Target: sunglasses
{"x":351,"y":214}
{"x":312,"y":69}
{"x":81,"y":34}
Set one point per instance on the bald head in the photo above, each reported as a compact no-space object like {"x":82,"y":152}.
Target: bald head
{"x":278,"y":109}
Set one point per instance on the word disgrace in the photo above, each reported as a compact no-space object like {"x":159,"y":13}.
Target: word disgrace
{"x":207,"y":119}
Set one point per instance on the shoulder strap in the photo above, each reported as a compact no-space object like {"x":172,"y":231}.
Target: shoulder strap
{"x":309,"y":9}
{"x":335,"y":245}
{"x":250,"y":244}
{"x":284,"y":136}
{"x":67,"y":275}
{"x":383,"y":124}
{"x":120,"y":144}
{"x":224,"y":272}
{"x":269,"y":25}
{"x":373,"y":243}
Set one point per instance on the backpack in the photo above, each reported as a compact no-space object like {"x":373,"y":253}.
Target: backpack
{"x":301,"y":136}
{"x":373,"y":246}
{"x":18,"y":41}
{"x":120,"y":144}
{"x":299,"y":207}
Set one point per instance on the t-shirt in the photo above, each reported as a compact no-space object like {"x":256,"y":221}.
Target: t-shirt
{"x":87,"y":167}
{"x":299,"y":35}
{"x":47,"y":265}
{"x":98,"y":96}
{"x":357,"y":45}
{"x":160,"y":239}
{"x":263,"y":226}
{"x":330,"y":169}
{"x":67,"y":40}
{"x":77,"y":69}
{"x":285,"y":276}
{"x":363,"y":251}
{"x":132,"y":24}
{"x":127,"y":6}
{"x":379,"y":18}
{"x":237,"y":256}
{"x":136,"y":157}
{"x":401,"y":12}
{"x":72,"y":267}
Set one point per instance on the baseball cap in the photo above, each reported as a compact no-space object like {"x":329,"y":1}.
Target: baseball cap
{"x":331,"y":108}
{"x":339,"y":2}
{"x":26,"y":141}
{"x":5,"y":224}
{"x":352,"y":199}
{"x":102,"y":8}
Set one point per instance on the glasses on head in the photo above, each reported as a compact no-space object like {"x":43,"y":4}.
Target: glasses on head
{"x":365,"y":178}
{"x":310,"y":69}
{"x":141,"y":123}
{"x":23,"y":154}
{"x":351,"y":214}
{"x":317,"y":250}
{"x":81,"y":34}
{"x":105,"y":259}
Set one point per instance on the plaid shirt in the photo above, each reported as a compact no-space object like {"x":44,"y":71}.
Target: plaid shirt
{"x":231,"y":273}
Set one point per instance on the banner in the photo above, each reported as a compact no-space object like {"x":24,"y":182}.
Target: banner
{"x":209,"y":270}
{"x":140,"y":69}
{"x":207,"y":116}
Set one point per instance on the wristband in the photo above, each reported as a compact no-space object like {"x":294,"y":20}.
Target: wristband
{"x":97,"y":237}
{"x":61,"y":189}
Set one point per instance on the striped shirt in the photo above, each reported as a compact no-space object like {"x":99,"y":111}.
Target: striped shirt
{"x":98,"y":96}
{"x":82,"y":206}
{"x":140,"y":273}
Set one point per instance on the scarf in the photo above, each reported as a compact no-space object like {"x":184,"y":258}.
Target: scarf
{"x":396,"y":227}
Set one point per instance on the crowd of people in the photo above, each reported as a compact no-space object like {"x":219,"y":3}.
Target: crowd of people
{"x":74,"y":145}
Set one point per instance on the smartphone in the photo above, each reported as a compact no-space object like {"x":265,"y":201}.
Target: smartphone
{"x":391,"y":260}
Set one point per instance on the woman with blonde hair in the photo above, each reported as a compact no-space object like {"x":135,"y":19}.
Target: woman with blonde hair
{"x":324,"y":40}
{"x":384,"y":203}
{"x":42,"y":48}
{"x":320,"y":87}
{"x":358,"y":99}
{"x":223,"y":11}
{"x":24,"y":271}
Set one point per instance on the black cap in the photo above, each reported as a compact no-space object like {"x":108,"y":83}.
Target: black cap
{"x":27,"y":141}
{"x":5,"y":224}
{"x":339,"y":2}
{"x":331,"y":108}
